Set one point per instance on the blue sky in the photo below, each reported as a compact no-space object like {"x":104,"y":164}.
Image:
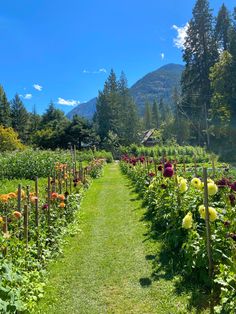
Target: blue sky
{"x":63,"y":50}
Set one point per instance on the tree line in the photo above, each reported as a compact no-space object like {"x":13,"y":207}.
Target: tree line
{"x":207,"y":106}
{"x":50,"y":130}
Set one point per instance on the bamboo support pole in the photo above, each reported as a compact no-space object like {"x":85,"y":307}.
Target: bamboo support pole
{"x":26,"y":225}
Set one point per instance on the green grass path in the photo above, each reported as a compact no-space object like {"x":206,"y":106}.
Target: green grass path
{"x":106,"y":267}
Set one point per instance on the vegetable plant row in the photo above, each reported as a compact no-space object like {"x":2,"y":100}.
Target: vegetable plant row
{"x":195,"y":221}
{"x":34,"y":221}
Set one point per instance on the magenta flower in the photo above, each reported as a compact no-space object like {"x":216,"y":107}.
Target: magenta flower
{"x":168,"y":164}
{"x":168,"y":172}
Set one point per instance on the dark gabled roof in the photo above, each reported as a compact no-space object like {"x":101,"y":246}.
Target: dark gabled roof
{"x":147,"y":135}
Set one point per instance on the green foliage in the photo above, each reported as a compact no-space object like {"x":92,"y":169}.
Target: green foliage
{"x":20,"y":118}
{"x":200,"y":53}
{"x":31,"y":163}
{"x":187,"y":154}
{"x":9,"y":140}
{"x":147,"y":120}
{"x":5,"y":110}
{"x":116,"y":112}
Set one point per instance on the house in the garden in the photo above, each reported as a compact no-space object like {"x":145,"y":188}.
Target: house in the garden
{"x":150,"y":137}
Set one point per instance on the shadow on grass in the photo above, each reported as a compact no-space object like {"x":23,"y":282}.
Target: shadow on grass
{"x":165,"y":266}
{"x":145,"y":282}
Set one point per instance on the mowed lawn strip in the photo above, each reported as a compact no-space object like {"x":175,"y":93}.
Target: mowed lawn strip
{"x":105,"y":268}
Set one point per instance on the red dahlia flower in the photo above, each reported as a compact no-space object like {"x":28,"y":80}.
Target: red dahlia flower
{"x":168,"y":172}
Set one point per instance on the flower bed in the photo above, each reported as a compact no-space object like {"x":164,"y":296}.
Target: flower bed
{"x":34,"y":221}
{"x":175,"y":202}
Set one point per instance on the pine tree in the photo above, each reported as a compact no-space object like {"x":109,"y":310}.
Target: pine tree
{"x":200,"y":53}
{"x":222,"y":29}
{"x":221,"y":115}
{"x":155,"y":115}
{"x":108,"y":107}
{"x":147,"y":117}
{"x":232,"y":51}
{"x":128,"y":116}
{"x":5,"y":109}
{"x":34,"y":121}
{"x":20,"y":117}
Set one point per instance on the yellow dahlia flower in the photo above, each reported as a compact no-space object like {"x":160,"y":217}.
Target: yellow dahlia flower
{"x":183,"y":186}
{"x":212,"y":213}
{"x":212,"y":188}
{"x":196,"y":182}
{"x":187,"y":221}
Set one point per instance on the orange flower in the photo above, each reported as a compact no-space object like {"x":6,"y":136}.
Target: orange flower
{"x":17,"y":214}
{"x":12,"y":195}
{"x":54,"y":195}
{"x":33,"y":199}
{"x":61,"y":197}
{"x":4,"y":198}
{"x":62,"y":205}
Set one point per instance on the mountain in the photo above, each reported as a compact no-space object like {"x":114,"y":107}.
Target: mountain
{"x":155,"y":85}
{"x":85,"y":109}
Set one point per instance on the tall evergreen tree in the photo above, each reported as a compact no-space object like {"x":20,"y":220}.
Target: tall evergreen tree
{"x":222,"y":29}
{"x":221,"y":115}
{"x":155,"y":115}
{"x":200,"y":53}
{"x":5,"y":109}
{"x":128,"y":116}
{"x":20,"y":117}
{"x":147,"y":117}
{"x":108,"y":107}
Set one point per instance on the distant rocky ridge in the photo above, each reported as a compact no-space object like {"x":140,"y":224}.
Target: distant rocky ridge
{"x":155,"y":85}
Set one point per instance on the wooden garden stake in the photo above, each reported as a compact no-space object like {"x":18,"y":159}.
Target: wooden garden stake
{"x":28,"y":194}
{"x":19,"y":207}
{"x":75,"y":159}
{"x":59,"y":182}
{"x":49,"y":201}
{"x":54,"y":181}
{"x":208,"y":230}
{"x":213,"y":167}
{"x":26,"y":225}
{"x":184,"y":167}
{"x":37,"y":211}
{"x":195,"y":166}
{"x":19,"y":198}
{"x":5,"y":231}
{"x":66,"y":178}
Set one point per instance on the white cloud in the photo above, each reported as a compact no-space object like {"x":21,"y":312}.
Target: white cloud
{"x":162,"y":55}
{"x":38,"y":87}
{"x":27,"y":96}
{"x":67,"y":102}
{"x":102,"y":70}
{"x":181,"y":35}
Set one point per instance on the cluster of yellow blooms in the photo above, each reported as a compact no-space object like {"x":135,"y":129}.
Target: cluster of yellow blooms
{"x":199,"y":185}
